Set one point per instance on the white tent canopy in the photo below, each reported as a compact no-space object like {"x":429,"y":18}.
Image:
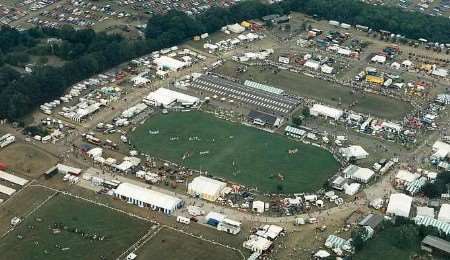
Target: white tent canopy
{"x":206,"y":188}
{"x":444,"y":213}
{"x":354,"y":151}
{"x":357,"y":173}
{"x":167,"y":97}
{"x":165,"y":62}
{"x":322,"y":110}
{"x":6,"y":190}
{"x":144,"y":197}
{"x":12,"y":178}
{"x":425,"y":211}
{"x":399,"y":205}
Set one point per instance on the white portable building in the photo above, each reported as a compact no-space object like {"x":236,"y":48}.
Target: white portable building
{"x":229,"y":226}
{"x":65,"y":169}
{"x":312,"y":64}
{"x":258,"y":206}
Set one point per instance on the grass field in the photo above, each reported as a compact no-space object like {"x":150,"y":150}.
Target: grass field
{"x":27,"y":159}
{"x":258,"y":156}
{"x":170,"y":244}
{"x":322,"y":91}
{"x":38,"y":237}
{"x":21,"y":204}
{"x":384,"y":245}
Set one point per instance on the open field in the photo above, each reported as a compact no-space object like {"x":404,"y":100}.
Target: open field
{"x":387,"y":244}
{"x":170,"y":244}
{"x":27,"y":159}
{"x":21,"y":204}
{"x":322,"y":91}
{"x":238,"y":153}
{"x":63,"y":228}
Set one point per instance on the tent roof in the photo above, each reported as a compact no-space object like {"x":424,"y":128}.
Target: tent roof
{"x":326,"y":110}
{"x":444,"y":213}
{"x":166,"y":97}
{"x":147,"y":196}
{"x":425,"y":211}
{"x":205,"y":185}
{"x":399,"y":205}
{"x":407,"y":176}
{"x":12,"y":178}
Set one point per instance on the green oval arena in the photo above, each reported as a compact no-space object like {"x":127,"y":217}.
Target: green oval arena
{"x":238,"y":153}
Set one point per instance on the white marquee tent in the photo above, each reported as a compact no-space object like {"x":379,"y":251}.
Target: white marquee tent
{"x":148,"y":198}
{"x":399,"y":205}
{"x":444,"y":213}
{"x":354,"y":151}
{"x":326,"y":111}
{"x":206,"y":188}
{"x":167,"y":98}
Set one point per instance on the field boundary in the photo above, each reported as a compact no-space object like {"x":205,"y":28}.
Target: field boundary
{"x":142,"y":241}
{"x":136,"y":245}
{"x":185,"y":233}
{"x":96,"y":203}
{"x":207,"y":240}
{"x":15,"y":193}
{"x":31,"y":212}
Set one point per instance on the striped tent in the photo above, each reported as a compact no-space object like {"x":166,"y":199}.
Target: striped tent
{"x":337,"y":242}
{"x":428,"y":221}
{"x":416,"y":185}
{"x":263,"y":87}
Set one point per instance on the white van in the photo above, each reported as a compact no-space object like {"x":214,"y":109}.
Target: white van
{"x":183,"y":220}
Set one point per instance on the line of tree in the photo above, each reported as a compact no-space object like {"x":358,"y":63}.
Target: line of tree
{"x":413,"y":25}
{"x":88,"y":53}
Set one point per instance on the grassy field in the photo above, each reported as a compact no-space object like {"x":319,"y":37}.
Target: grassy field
{"x":170,"y":244}
{"x":27,"y":159}
{"x":321,"y":90}
{"x":238,"y":153}
{"x":21,"y":204}
{"x":55,"y":231}
{"x":384,"y":245}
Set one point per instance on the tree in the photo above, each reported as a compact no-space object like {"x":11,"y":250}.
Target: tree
{"x":305,"y":112}
{"x":407,"y":237}
{"x":42,"y":60}
{"x":359,"y":237}
{"x":440,"y":185}
{"x":297,"y":120}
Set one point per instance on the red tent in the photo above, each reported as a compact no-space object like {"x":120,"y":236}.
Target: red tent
{"x":3,"y":166}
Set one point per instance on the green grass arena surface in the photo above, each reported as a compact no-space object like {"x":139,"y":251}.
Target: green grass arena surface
{"x":236,"y":152}
{"x":39,"y":240}
{"x":173,"y":245}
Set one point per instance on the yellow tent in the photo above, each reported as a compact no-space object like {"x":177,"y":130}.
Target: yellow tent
{"x":374,"y":79}
{"x":246,"y":24}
